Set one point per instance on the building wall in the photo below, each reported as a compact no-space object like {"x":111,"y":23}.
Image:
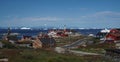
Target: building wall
{"x":37,"y":44}
{"x":114,"y":35}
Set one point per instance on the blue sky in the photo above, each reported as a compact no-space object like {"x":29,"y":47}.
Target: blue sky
{"x":72,"y":13}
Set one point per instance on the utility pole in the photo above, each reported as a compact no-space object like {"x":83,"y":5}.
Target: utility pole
{"x":9,"y":31}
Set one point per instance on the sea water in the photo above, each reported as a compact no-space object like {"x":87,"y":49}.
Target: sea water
{"x":35,"y":32}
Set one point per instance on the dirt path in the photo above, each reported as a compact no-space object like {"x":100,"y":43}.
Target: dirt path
{"x":81,"y":53}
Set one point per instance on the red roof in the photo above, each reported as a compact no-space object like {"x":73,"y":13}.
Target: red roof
{"x":114,"y":34}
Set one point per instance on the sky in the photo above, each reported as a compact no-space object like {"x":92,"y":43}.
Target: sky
{"x":57,"y":13}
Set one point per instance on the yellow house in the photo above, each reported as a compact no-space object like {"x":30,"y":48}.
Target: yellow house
{"x":45,"y":42}
{"x":37,"y":43}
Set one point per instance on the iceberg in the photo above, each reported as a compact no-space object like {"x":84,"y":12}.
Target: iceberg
{"x":105,"y":31}
{"x":25,"y":28}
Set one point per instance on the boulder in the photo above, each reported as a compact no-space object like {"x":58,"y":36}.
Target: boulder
{"x":60,"y":50}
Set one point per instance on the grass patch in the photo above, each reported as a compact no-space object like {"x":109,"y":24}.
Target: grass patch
{"x":96,"y":48}
{"x":40,"y":55}
{"x":67,"y":40}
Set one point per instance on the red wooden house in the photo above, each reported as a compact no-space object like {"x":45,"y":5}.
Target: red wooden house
{"x":114,"y":35}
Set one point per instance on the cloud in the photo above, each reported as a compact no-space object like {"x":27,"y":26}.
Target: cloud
{"x":37,"y":19}
{"x":83,"y":8}
{"x":47,"y":19}
{"x":41,"y":18}
{"x":10,"y":16}
{"x":101,"y":19}
{"x":102,"y":16}
{"x":98,"y":16}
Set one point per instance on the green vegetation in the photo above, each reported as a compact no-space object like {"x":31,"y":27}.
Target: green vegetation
{"x":13,"y":37}
{"x":94,"y":39}
{"x":19,"y":54}
{"x":96,"y":48}
{"x":40,"y":55}
{"x":67,"y":40}
{"x":7,"y":44}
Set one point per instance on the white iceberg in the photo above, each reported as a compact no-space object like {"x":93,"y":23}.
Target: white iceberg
{"x":25,"y":28}
{"x":105,"y":31}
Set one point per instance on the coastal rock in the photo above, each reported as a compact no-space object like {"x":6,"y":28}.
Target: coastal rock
{"x":60,"y":50}
{"x":4,"y":60}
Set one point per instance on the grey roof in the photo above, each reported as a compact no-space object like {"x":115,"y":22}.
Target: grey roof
{"x":48,"y":41}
